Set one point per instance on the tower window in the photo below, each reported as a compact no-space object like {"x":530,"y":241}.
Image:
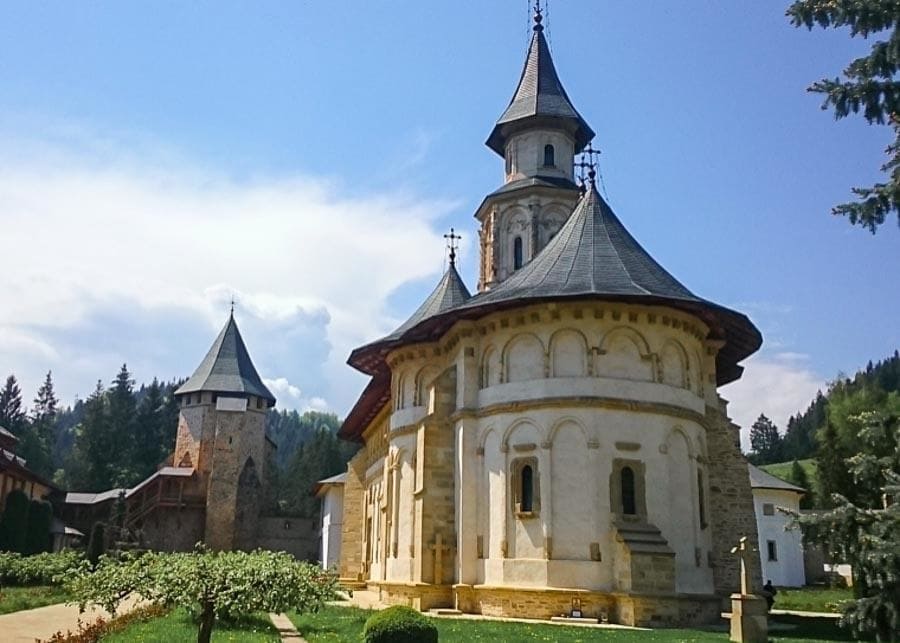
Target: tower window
{"x":629,"y":506}
{"x":701,"y":499}
{"x":772,"y":548}
{"x":525,"y":487}
{"x":517,"y":253}
{"x":549,"y":160}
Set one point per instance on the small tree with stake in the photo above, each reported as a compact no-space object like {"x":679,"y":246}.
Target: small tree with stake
{"x":214,"y":584}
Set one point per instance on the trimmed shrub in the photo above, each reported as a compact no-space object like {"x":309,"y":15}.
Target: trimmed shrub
{"x":40,"y":519}
{"x":97,"y":544}
{"x":42,"y":569}
{"x":399,"y":624}
{"x":14,"y":522}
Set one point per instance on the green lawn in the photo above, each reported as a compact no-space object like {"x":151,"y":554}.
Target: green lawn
{"x":14,"y":599}
{"x":178,"y":627}
{"x":339,"y":624}
{"x":812,"y":599}
{"x":783,"y":469}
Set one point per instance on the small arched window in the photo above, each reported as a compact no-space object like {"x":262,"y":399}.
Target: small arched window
{"x":549,"y":156}
{"x":527,"y":496}
{"x":517,"y":253}
{"x":628,"y":497}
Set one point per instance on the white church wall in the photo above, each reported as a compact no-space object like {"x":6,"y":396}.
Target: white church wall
{"x":332,"y":514}
{"x":527,"y":154}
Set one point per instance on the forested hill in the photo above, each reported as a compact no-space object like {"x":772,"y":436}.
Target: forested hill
{"x":872,"y":388}
{"x":119,"y":435}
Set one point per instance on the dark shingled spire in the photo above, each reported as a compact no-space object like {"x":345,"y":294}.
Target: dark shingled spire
{"x":227,"y":368}
{"x":449,"y":293}
{"x":539,"y":95}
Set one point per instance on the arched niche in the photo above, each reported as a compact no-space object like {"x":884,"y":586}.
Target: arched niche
{"x":568,"y":354}
{"x":523,"y":357}
{"x":624,"y":354}
{"x":674,"y":364}
{"x":489,"y":373}
{"x":424,"y":378}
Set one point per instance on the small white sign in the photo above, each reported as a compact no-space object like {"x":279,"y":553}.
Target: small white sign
{"x":237,"y":404}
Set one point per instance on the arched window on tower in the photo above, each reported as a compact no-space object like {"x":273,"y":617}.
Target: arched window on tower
{"x":517,"y":253}
{"x":527,"y":493}
{"x":549,"y":156}
{"x":628,"y":496}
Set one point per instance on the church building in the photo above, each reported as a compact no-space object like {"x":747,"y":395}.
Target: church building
{"x":554,"y":442}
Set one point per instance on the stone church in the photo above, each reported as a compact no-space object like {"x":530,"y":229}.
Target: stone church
{"x":556,"y":441}
{"x":212,"y":487}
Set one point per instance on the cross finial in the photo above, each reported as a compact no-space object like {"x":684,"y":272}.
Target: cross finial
{"x":538,"y":16}
{"x":589,"y":160}
{"x":232,"y":305}
{"x":452,"y":245}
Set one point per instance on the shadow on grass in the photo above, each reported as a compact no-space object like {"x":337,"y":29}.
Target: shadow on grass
{"x":809,"y":628}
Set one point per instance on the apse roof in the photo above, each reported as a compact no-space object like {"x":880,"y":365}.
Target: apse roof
{"x":539,"y":94}
{"x":227,"y":368}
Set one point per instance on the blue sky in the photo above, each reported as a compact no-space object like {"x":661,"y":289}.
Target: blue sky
{"x":156,"y":158}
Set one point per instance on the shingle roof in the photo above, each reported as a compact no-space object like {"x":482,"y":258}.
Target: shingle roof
{"x":760,"y":479}
{"x":227,"y":368}
{"x":450,"y":293}
{"x":539,"y":94}
{"x":592,"y":257}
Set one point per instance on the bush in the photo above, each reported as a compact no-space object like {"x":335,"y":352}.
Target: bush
{"x":399,"y":624}
{"x":41,"y":569}
{"x":14,"y":522}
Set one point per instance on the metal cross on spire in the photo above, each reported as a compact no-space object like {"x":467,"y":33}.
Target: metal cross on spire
{"x":589,"y":160}
{"x":538,"y":16}
{"x":232,"y":305}
{"x":452,"y":245}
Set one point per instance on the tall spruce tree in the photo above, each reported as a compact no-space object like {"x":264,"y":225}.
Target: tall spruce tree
{"x":149,"y":448}
{"x":96,"y":448}
{"x":870,"y":85}
{"x":38,"y":437}
{"x":798,"y":477}
{"x":765,"y":441}
{"x":12,"y":412}
{"x":122,"y":424}
{"x":832,"y":473}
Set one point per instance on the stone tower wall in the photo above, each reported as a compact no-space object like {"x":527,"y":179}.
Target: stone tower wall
{"x":230,"y":507}
{"x":196,"y":432}
{"x":731,"y":503}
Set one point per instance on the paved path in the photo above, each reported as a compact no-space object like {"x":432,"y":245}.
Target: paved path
{"x":286,"y":628}
{"x":43,"y":622}
{"x":806,"y":614}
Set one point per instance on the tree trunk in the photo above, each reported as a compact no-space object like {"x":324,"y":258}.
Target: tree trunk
{"x":207,"y":618}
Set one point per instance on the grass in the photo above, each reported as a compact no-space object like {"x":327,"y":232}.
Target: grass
{"x":812,"y":599}
{"x":14,"y":599}
{"x":783,"y":469}
{"x":340,"y":624}
{"x":178,"y":627}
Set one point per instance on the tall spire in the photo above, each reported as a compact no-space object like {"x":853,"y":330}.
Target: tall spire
{"x":539,"y":96}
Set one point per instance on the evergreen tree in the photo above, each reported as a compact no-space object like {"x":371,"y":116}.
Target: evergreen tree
{"x":12,"y":413}
{"x":40,"y":518}
{"x":150,"y":448}
{"x":38,"y":437}
{"x":14,"y":522}
{"x":798,"y":477}
{"x":832,"y":472}
{"x":765,"y":441}
{"x":870,"y":85}
{"x":95,"y":446}
{"x":122,"y":424}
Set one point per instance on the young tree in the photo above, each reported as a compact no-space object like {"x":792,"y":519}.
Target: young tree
{"x":12,"y":413}
{"x":765,"y":441}
{"x":870,"y":85}
{"x":866,"y":535}
{"x":216,"y":584}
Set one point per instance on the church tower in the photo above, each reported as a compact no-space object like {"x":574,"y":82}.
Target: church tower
{"x":538,"y":135}
{"x":222,"y":435}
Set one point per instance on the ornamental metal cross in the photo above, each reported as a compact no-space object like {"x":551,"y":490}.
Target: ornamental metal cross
{"x":591,"y":155}
{"x":743,"y":549}
{"x":452,"y":244}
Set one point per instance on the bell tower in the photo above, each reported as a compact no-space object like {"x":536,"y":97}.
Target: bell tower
{"x":538,"y":136}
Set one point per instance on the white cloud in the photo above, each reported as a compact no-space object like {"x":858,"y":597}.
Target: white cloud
{"x":280,"y":385}
{"x":778,"y":386}
{"x":89,"y":228}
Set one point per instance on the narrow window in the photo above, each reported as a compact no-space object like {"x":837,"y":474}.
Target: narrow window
{"x":509,"y":161}
{"x":773,"y":549}
{"x":701,"y":499}
{"x":628,"y":502}
{"x":517,"y":253}
{"x":549,"y":160}
{"x":527,"y":488}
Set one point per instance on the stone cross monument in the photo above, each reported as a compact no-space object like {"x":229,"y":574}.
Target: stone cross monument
{"x":749,"y":618}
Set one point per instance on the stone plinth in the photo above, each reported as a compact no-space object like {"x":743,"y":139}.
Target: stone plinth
{"x":749,"y":619}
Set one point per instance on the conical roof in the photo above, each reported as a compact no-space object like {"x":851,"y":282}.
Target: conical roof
{"x":539,"y":95}
{"x":450,"y":293}
{"x":227,"y":368}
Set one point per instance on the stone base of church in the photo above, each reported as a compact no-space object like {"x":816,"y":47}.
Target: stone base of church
{"x":642,"y":610}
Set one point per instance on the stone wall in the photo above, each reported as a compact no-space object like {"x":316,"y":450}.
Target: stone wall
{"x":172,"y":529}
{"x":731,"y":514}
{"x":296,"y":536}
{"x":351,"y":567}
{"x":416,"y":595}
